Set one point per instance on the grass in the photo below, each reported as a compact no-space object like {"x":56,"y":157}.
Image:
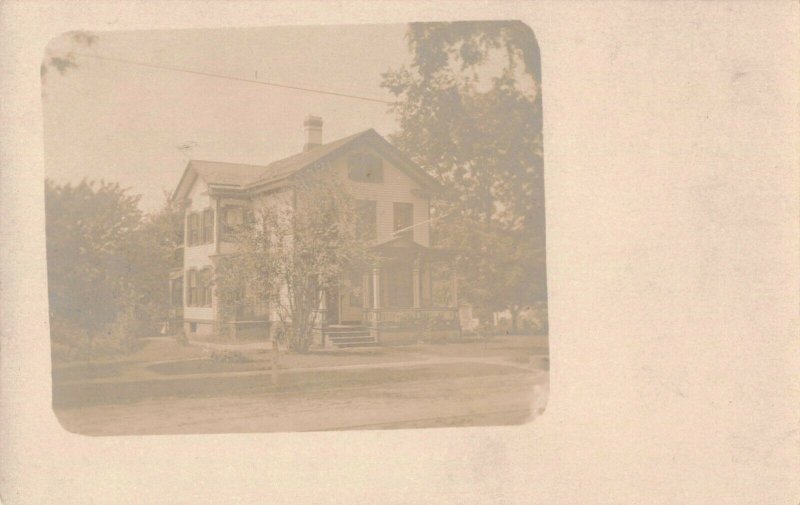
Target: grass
{"x":166,"y":357}
{"x":68,"y":395}
{"x":79,"y":371}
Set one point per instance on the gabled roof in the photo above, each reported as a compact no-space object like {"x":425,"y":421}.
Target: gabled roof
{"x":287,"y":166}
{"x":226,"y":174}
{"x":233,"y":175}
{"x":240,"y":176}
{"x":404,"y":247}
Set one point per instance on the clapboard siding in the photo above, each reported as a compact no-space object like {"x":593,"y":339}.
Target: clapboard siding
{"x":396,"y":187}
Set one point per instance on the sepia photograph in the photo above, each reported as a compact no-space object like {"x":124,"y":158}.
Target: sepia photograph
{"x":332,"y":252}
{"x":300,"y":228}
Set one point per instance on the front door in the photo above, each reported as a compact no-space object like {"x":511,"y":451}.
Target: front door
{"x":351,"y":298}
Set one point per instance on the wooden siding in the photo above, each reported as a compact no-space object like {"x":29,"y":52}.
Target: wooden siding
{"x":396,"y":187}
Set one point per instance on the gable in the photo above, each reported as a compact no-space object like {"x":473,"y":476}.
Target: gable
{"x":294,"y":165}
{"x":237,"y":177}
{"x":358,"y":169}
{"x":217,"y":174}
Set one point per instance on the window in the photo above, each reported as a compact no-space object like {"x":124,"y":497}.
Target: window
{"x":193,"y":237}
{"x":200,"y":228}
{"x":404,"y":219}
{"x":191,"y":288}
{"x":232,"y":218}
{"x":367,"y":219}
{"x":208,"y":226}
{"x":363,"y":167}
{"x":205,"y":287}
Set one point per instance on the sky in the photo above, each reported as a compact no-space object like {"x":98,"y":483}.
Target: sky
{"x":140,"y":126}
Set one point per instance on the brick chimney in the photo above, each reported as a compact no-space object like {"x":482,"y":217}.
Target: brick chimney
{"x":313,"y":128}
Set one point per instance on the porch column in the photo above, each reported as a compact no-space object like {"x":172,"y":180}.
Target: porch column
{"x":376,"y":288}
{"x":365,"y":291}
{"x":415,"y":281}
{"x":323,"y":304}
{"x":374,"y":323}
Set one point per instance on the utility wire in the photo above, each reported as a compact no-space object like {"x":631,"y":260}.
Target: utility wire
{"x":240,"y":79}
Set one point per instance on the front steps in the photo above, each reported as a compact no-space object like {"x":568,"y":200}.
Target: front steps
{"x":349,"y":335}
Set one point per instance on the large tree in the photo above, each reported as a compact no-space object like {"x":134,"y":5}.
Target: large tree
{"x":107,"y":266}
{"x":469,"y":110}
{"x":289,"y":254}
{"x":150,"y":259}
{"x":90,"y":230}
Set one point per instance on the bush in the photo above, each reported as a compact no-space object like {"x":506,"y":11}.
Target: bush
{"x":70,"y":342}
{"x":228,"y":356}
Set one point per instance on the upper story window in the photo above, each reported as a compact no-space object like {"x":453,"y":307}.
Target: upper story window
{"x":200,"y":228}
{"x":232,"y":218}
{"x":367,"y":219}
{"x":365,"y":167}
{"x":404,"y":219}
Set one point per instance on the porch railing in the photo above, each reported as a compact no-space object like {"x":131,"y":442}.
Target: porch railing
{"x":412,"y":318}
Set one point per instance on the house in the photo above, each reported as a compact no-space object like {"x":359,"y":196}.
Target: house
{"x":409,"y":290}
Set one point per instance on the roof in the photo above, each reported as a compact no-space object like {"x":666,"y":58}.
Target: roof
{"x":402,"y":247}
{"x":241,"y":176}
{"x":287,"y":166}
{"x":226,"y":174}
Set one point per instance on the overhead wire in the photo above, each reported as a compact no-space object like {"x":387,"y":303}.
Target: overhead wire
{"x":238,"y":79}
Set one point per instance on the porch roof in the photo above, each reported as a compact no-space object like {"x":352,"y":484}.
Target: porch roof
{"x":403,"y":247}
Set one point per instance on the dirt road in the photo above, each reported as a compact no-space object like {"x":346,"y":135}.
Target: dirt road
{"x":509,"y":398}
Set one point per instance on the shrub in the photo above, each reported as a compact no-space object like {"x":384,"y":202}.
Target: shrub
{"x":70,"y":342}
{"x":229,"y":356}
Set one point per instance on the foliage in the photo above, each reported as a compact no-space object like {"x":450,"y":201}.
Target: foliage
{"x":151,"y":258}
{"x":229,"y":356}
{"x":469,"y":110}
{"x":290,"y":254}
{"x":106,"y":268}
{"x":63,"y":59}
{"x":90,"y":230}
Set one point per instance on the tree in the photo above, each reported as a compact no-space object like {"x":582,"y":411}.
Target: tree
{"x":469,"y":110}
{"x":107,"y":267}
{"x":90,"y":229}
{"x":289,"y":254}
{"x":151,"y":257}
{"x":64,"y":57}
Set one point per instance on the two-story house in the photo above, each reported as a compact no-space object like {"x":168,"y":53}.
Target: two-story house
{"x":410,"y":290}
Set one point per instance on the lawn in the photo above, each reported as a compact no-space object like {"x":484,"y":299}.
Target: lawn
{"x":78,"y":394}
{"x":262,"y":360}
{"x":167,"y":357}
{"x":169,"y":388}
{"x":153,"y":350}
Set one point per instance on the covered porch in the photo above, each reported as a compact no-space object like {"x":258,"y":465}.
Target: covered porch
{"x":410,"y":292}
